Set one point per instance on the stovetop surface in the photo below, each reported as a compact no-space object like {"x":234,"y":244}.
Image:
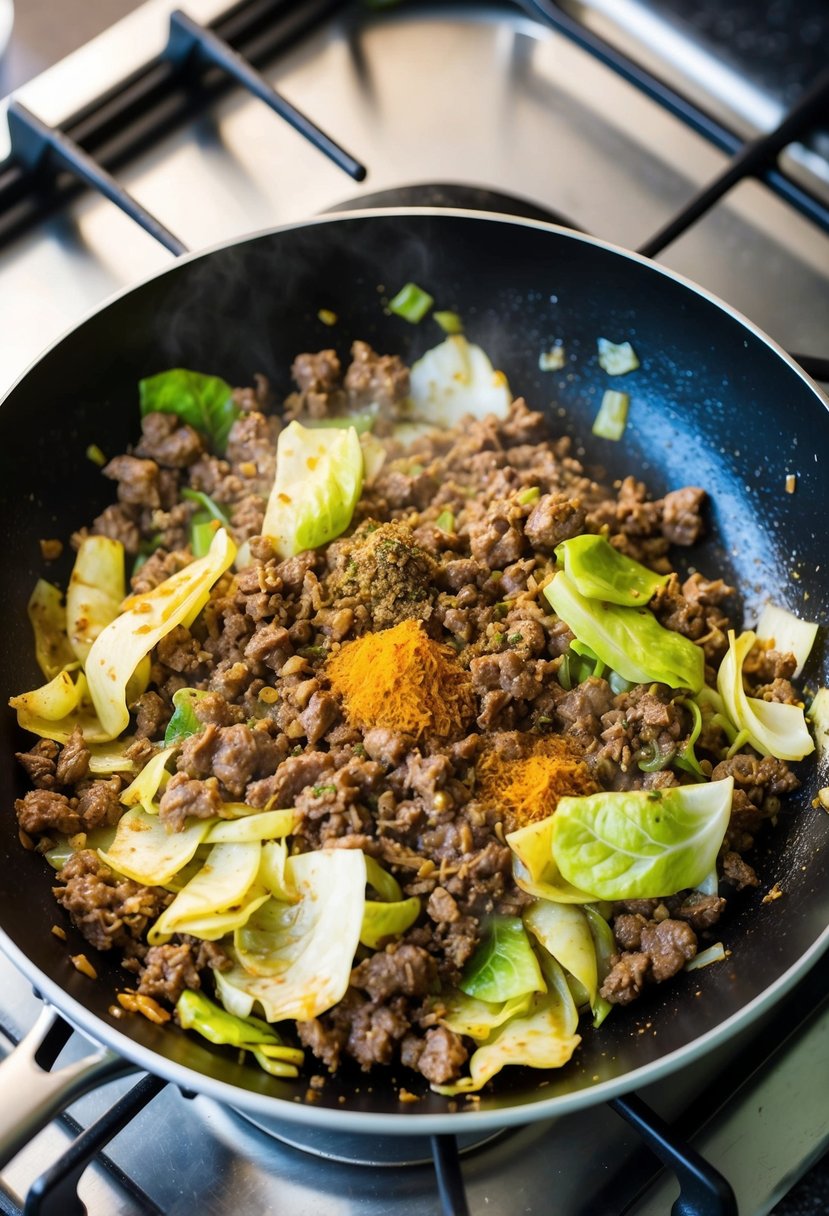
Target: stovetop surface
{"x":476,"y":94}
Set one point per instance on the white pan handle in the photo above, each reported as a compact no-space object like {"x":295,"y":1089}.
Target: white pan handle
{"x":31,"y":1096}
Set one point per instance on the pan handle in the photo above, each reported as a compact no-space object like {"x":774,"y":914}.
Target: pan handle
{"x":32,"y":1095}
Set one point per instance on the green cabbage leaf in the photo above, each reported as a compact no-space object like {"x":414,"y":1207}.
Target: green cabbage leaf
{"x":222,"y":887}
{"x":629,"y":640}
{"x":504,"y":964}
{"x":204,"y":402}
{"x":600,"y":572}
{"x":195,"y":1011}
{"x":640,"y":844}
{"x":471,"y":1016}
{"x":534,"y":867}
{"x":150,"y":780}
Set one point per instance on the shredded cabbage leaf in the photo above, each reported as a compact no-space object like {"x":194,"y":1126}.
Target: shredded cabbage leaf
{"x":772,"y":729}
{"x":787,"y":633}
{"x":48,"y":620}
{"x":504,"y":964}
{"x":534,"y":866}
{"x":295,"y":959}
{"x":183,"y":722}
{"x":604,"y":944}
{"x":269,"y":825}
{"x":108,"y":758}
{"x":616,"y":358}
{"x":640,"y":844}
{"x":96,"y":589}
{"x":382,"y":921}
{"x":543,"y":1037}
{"x":819,"y":717}
{"x":219,"y":889}
{"x":144,"y":621}
{"x":55,"y":709}
{"x":453,"y":379}
{"x":204,"y":402}
{"x":146,"y":852}
{"x":598,"y":571}
{"x":630,"y":640}
{"x":469,"y":1015}
{"x":563,"y":931}
{"x":273,"y":871}
{"x":148,"y":782}
{"x":319,"y":478}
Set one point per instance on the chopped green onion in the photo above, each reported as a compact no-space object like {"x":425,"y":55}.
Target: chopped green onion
{"x":411,"y":303}
{"x":94,"y":453}
{"x":532,"y":494}
{"x":687,"y":758}
{"x":445,"y":521}
{"x":500,"y":610}
{"x":653,"y":760}
{"x":714,"y":954}
{"x":552,"y":360}
{"x":612,"y":416}
{"x":617,"y":358}
{"x":212,"y":508}
{"x":201,"y":535}
{"x":515,"y":638}
{"x":327,"y":316}
{"x":449,"y":322}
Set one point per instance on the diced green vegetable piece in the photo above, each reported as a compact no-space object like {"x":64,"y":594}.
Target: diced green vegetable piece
{"x":201,"y":536}
{"x":204,"y":402}
{"x":504,"y":965}
{"x":629,"y":640}
{"x":640,"y":844}
{"x":206,"y":502}
{"x":552,"y":360}
{"x":449,"y":322}
{"x":362,"y":423}
{"x":617,"y":358}
{"x":327,"y":316}
{"x":612,"y":417}
{"x":411,"y":303}
{"x":601,"y":572}
{"x":94,"y":453}
{"x":184,"y":722}
{"x":386,"y":920}
{"x":445,"y":521}
{"x":195,"y":1011}
{"x":605,"y":946}
{"x":531,"y":494}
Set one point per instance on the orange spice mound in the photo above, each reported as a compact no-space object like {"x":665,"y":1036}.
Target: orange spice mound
{"x":402,"y":680}
{"x":526,"y":775}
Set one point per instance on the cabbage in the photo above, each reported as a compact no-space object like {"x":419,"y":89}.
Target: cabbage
{"x":467,"y":1015}
{"x":604,"y":944}
{"x":55,"y":709}
{"x":295,"y":960}
{"x":183,"y":722}
{"x":385,"y":884}
{"x":148,"y":782}
{"x":220,"y":886}
{"x":48,"y":620}
{"x":146,"y":852}
{"x":598,"y":571}
{"x":272,"y":871}
{"x":96,"y":589}
{"x":819,"y":717}
{"x":214,"y":925}
{"x":563,"y":931}
{"x":787,"y":633}
{"x":146,"y":619}
{"x":543,"y":1037}
{"x":640,"y":844}
{"x":108,"y":758}
{"x":616,"y":358}
{"x":534,"y":867}
{"x":503,"y":965}
{"x":204,"y":402}
{"x":630,"y":640}
{"x":382,"y":920}
{"x":269,"y":825}
{"x":195,"y":1011}
{"x":771,"y":728}
{"x":319,"y":477}
{"x":454,"y":379}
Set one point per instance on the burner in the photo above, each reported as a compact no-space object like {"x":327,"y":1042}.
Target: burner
{"x":447,"y":194}
{"x":355,"y":1148}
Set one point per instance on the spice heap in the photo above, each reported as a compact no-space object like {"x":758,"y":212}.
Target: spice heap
{"x":402,"y":680}
{"x":526,"y":775}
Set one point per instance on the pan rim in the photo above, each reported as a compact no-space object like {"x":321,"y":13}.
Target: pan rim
{"x":407,"y":1121}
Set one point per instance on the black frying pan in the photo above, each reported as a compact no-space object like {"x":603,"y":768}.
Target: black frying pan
{"x":715,"y":403}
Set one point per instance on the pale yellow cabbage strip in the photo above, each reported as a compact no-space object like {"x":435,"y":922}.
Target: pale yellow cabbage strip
{"x":146,"y":619}
{"x":48,"y":620}
{"x":534,"y":868}
{"x":298,"y":958}
{"x":108,"y":758}
{"x":772,"y":729}
{"x":96,"y":589}
{"x":54,"y":710}
{"x":146,"y":852}
{"x":563,"y":931}
{"x":148,"y":782}
{"x":220,"y":886}
{"x":476,"y":1018}
{"x":270,"y":825}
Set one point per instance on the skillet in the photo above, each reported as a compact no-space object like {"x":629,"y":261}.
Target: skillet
{"x":716,"y":403}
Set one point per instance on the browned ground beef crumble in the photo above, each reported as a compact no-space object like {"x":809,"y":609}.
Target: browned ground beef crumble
{"x":412,"y":804}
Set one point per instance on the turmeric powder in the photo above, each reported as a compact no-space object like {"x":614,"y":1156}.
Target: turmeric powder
{"x":526,"y":775}
{"x":402,"y":680}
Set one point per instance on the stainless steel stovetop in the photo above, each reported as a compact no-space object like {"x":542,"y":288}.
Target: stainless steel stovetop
{"x":474,"y":94}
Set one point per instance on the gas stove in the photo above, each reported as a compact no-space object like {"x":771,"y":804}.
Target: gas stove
{"x":607,"y":117}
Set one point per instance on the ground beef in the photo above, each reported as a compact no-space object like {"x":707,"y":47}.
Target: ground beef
{"x":42,"y":810}
{"x":73,"y":761}
{"x":110,"y":911}
{"x":152,"y":714}
{"x":168,"y":441}
{"x":138,"y":480}
{"x":40,"y":764}
{"x":99,"y":804}
{"x":167,"y":970}
{"x":318,"y":378}
{"x":378,"y":380}
{"x":185,"y":798}
{"x":653,"y":951}
{"x":439,"y":1055}
{"x":375,"y":1032}
{"x":407,"y":970}
{"x":235,"y":755}
{"x":552,"y":520}
{"x":681,"y":520}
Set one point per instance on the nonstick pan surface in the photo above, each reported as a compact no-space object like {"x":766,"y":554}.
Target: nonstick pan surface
{"x":714,"y":404}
